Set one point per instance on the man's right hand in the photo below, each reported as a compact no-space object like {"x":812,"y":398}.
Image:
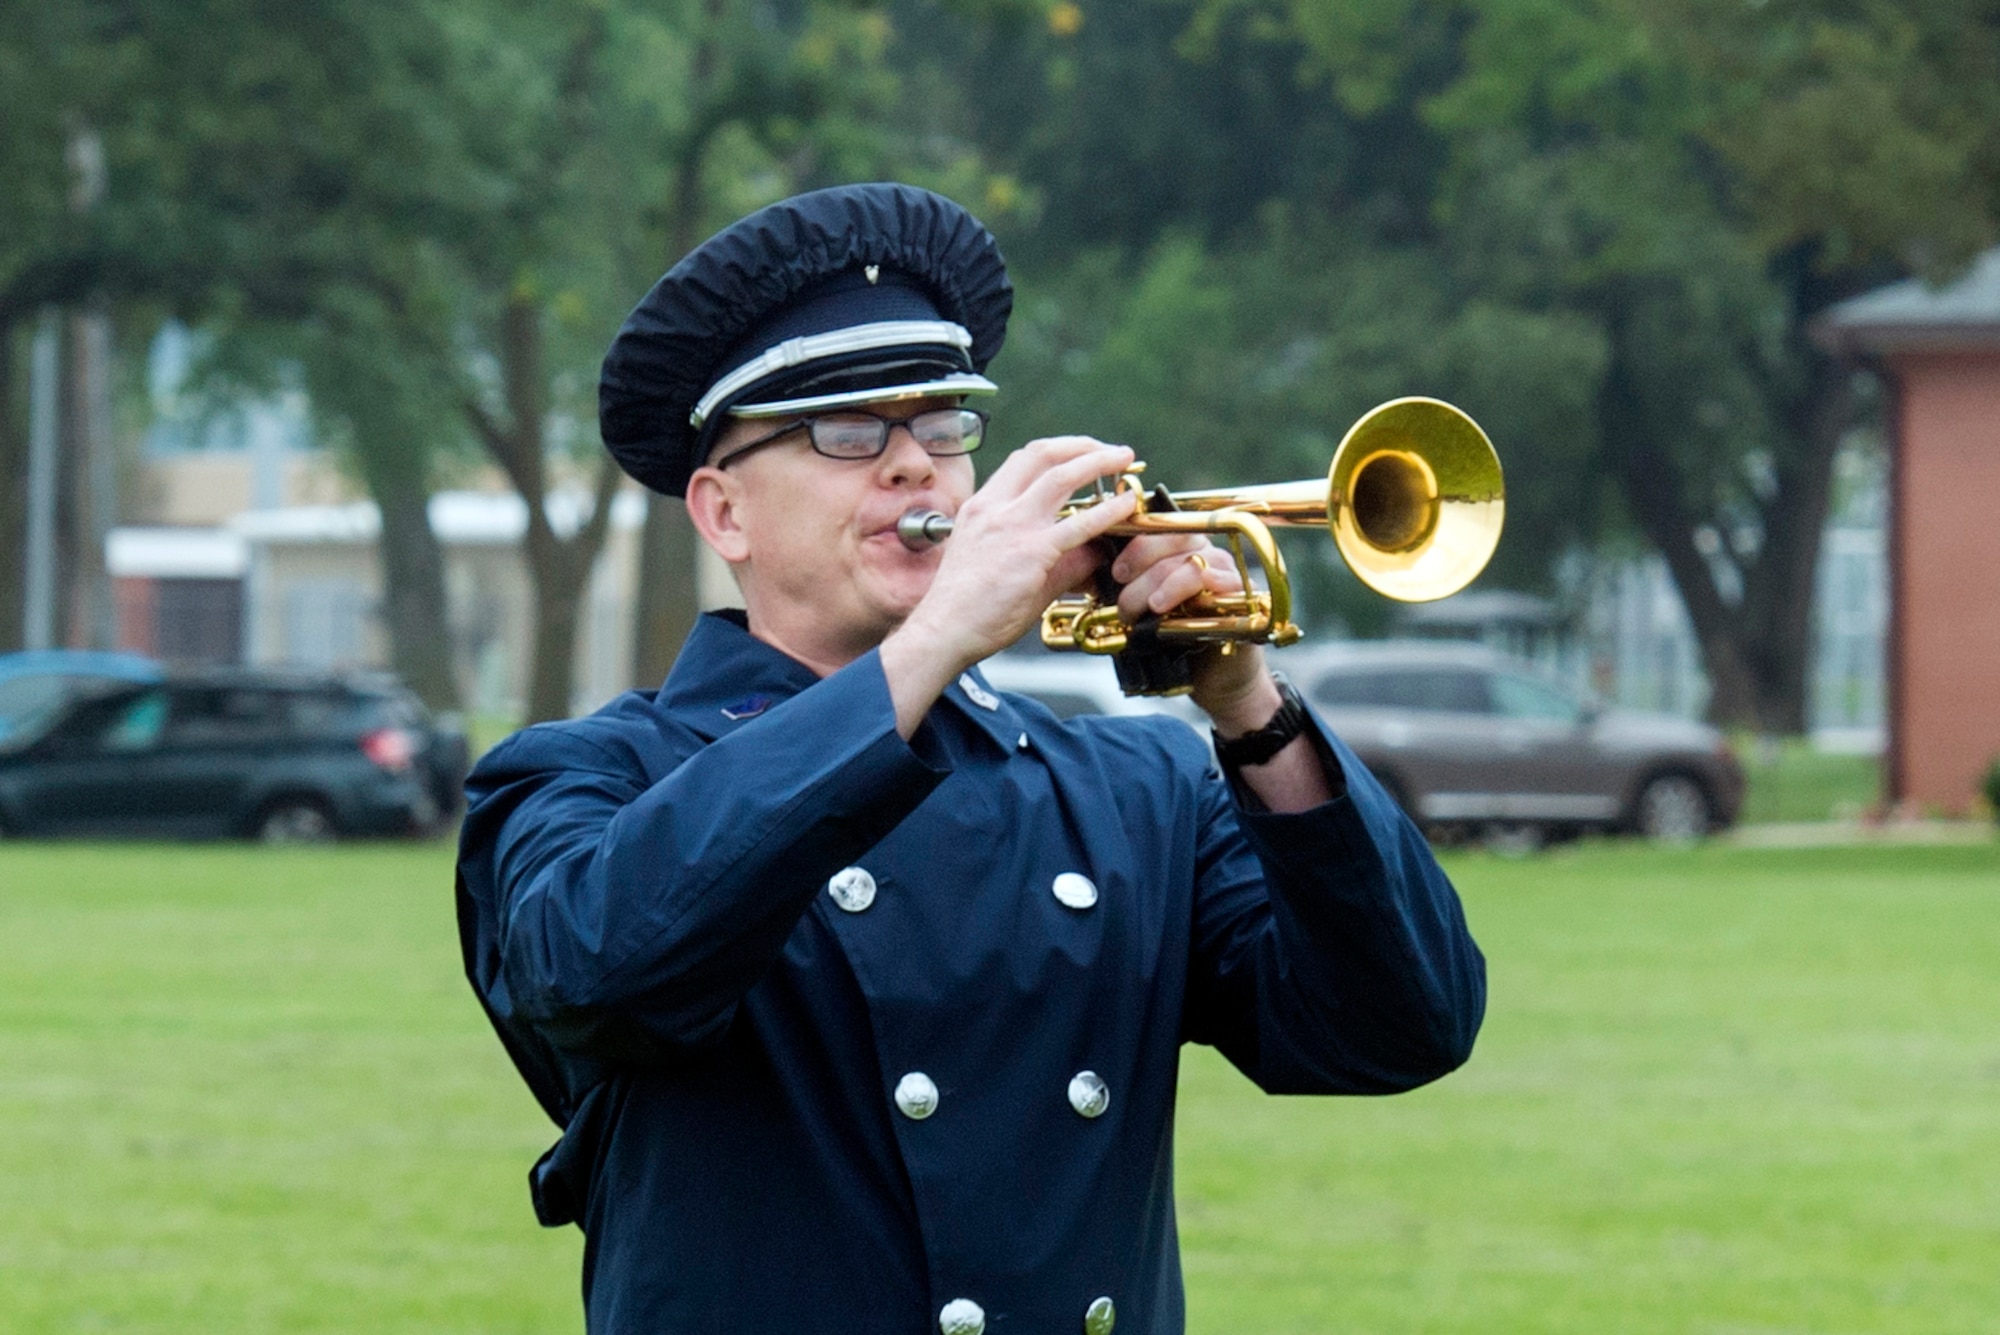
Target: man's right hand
{"x":1010,"y":555}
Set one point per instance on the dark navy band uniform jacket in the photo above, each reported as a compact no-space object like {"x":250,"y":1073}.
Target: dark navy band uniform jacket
{"x":816,"y":1014}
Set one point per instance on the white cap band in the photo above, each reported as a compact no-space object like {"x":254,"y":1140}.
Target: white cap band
{"x":834,"y":343}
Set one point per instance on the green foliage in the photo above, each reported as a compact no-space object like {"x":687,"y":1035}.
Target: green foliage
{"x":1602,"y":227}
{"x":1989,"y":786}
{"x":248,"y":1091}
{"x":1606,"y":225}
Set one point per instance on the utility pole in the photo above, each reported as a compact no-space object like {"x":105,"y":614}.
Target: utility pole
{"x":88,"y":410}
{"x":38,"y":611}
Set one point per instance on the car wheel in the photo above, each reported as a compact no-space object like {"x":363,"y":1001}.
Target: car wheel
{"x":296,"y":822}
{"x":1672,"y":809}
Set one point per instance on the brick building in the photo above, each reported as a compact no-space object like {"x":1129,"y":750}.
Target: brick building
{"x":1938,"y":351}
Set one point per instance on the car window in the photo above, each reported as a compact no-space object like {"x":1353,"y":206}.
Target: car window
{"x":30,"y":703}
{"x":339,"y":711}
{"x":135,"y":726}
{"x":1352,"y":688}
{"x":1437,"y":690}
{"x":211,"y":716}
{"x":1524,"y":697}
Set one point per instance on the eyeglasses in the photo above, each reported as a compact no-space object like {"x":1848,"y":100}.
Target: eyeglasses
{"x":851,"y":434}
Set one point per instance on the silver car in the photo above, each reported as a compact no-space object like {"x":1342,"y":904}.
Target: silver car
{"x":1072,"y":684}
{"x":1472,"y":741}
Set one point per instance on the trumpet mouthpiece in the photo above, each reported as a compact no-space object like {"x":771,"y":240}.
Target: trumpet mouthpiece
{"x":923,"y":529}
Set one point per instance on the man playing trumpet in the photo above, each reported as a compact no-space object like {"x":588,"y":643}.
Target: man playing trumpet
{"x":857,"y":987}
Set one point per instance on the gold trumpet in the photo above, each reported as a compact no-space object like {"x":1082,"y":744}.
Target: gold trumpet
{"x":1414,"y":501}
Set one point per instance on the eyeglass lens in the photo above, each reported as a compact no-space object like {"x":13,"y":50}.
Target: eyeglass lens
{"x":858,"y":435}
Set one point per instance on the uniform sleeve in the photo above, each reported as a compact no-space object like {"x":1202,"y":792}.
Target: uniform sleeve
{"x":628,"y":918}
{"x":1330,"y":951}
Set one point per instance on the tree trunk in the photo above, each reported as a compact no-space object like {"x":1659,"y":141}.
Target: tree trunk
{"x":1650,"y":486}
{"x":558,"y":593}
{"x":669,"y":599}
{"x":1779,"y":587}
{"x":414,"y":606}
{"x":360,"y":374}
{"x":669,"y":549}
{"x":559,"y":568}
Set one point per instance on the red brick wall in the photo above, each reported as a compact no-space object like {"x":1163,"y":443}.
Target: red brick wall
{"x":1945,"y":725}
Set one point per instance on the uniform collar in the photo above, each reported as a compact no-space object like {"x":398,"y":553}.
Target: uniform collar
{"x":725,"y":676}
{"x":989,"y":711}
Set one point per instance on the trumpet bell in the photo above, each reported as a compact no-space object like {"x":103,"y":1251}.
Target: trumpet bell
{"x":1415,"y":499}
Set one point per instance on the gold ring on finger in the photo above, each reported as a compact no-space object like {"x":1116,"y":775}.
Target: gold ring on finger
{"x":1199,"y":561}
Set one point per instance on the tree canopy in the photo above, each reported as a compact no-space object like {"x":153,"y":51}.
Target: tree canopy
{"x":1601,"y":226}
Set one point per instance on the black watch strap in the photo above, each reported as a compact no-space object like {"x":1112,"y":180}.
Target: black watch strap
{"x":1254,"y":748}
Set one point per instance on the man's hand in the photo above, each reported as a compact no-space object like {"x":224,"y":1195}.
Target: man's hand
{"x":1160,"y":571}
{"x":1008,"y":558}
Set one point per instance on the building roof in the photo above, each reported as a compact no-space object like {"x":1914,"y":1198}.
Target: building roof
{"x":176,"y":553}
{"x":1913,"y":316}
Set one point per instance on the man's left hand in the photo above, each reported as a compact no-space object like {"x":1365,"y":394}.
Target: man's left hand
{"x":1159,"y":572}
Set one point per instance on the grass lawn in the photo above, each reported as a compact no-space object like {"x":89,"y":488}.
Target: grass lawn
{"x":1790,"y":781}
{"x":1719,"y":1090}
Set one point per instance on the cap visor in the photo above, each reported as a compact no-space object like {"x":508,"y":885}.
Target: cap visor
{"x":951,"y":384}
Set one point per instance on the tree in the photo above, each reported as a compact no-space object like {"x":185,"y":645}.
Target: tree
{"x":1721,"y":174}
{"x":783,"y":103}
{"x":1602,"y":227}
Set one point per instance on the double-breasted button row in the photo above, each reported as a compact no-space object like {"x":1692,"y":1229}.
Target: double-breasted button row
{"x":917,"y":1095}
{"x":853,"y":889}
{"x":962,"y":1316}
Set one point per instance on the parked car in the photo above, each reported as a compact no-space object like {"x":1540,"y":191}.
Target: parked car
{"x":275,"y":756}
{"x":1470,"y":740}
{"x":1073,"y":684}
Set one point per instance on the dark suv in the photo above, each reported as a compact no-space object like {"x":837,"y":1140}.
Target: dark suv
{"x":274,"y":756}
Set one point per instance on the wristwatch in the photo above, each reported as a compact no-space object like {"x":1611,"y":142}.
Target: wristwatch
{"x":1254,"y":748}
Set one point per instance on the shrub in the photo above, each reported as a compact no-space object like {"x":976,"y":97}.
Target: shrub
{"x":1991,"y":787}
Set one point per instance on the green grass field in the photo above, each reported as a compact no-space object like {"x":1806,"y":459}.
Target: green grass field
{"x":1719,"y":1090}
{"x":1789,"y":781}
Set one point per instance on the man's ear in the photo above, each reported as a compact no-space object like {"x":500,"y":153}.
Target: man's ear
{"x":713,"y":503}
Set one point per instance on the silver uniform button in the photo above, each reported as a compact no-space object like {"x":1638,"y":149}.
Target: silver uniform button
{"x":1075,"y":890}
{"x":917,"y":1096}
{"x":1089,"y":1095}
{"x":1099,"y":1317}
{"x":852,"y":888}
{"x":962,"y":1316}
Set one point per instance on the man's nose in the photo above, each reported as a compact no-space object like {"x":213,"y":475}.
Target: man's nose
{"x":904,"y":461}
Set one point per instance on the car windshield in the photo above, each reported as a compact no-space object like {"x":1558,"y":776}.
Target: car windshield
{"x":31,"y":705}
